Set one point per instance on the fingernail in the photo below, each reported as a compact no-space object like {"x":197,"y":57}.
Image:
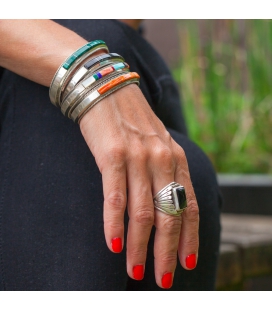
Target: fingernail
{"x":167,"y":280}
{"x":138,"y":272}
{"x":191,"y":261}
{"x":116,"y":245}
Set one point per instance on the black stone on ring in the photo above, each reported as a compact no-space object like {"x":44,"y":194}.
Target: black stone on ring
{"x":171,"y":199}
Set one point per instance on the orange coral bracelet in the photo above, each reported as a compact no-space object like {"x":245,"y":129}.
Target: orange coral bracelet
{"x":117,"y":81}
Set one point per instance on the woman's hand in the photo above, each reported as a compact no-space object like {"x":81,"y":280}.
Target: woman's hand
{"x":136,"y":155}
{"x":131,"y":146}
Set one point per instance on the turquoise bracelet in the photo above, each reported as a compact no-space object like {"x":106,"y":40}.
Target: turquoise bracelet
{"x":69,"y":65}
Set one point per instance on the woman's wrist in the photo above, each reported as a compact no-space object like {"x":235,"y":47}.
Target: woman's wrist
{"x":101,"y":109}
{"x":35,"y":49}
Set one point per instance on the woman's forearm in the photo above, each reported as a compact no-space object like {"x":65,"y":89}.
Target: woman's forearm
{"x":35,"y":49}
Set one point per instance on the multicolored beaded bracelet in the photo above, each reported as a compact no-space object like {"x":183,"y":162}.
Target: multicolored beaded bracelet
{"x":89,"y":67}
{"x":101,"y":92}
{"x":70,"y":64}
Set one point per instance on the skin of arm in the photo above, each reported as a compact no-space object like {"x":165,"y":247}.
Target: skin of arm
{"x":131,"y":146}
{"x":35,"y":49}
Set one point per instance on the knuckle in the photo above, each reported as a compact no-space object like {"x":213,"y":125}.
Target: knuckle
{"x":171,"y":225}
{"x":168,"y":136}
{"x":169,"y":259}
{"x":138,"y":252}
{"x":163,"y":156}
{"x":113,"y":226}
{"x":138,"y":154}
{"x":191,"y":213}
{"x":115,"y":155}
{"x":144,"y":217}
{"x":180,"y":153}
{"x":163,"y":153}
{"x":116,"y":200}
{"x":191,"y":243}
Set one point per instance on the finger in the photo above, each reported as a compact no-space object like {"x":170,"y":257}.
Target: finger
{"x":165,"y":247}
{"x":114,"y":188}
{"x":141,"y":215}
{"x":189,"y":239}
{"x":167,"y":226}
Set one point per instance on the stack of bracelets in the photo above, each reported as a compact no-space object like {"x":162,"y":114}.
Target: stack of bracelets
{"x":83,"y":80}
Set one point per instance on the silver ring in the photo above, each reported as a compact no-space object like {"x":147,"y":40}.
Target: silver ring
{"x":171,"y":199}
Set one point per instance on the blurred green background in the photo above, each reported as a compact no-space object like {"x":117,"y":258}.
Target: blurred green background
{"x":223,"y":69}
{"x":225,"y":77}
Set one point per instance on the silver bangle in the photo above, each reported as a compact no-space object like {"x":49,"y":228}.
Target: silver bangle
{"x":64,"y":71}
{"x":80,"y":92}
{"x":88,"y":73}
{"x":89,"y":67}
{"x":92,"y":99}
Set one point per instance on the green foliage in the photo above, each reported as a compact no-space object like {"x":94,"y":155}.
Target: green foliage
{"x":225,"y":78}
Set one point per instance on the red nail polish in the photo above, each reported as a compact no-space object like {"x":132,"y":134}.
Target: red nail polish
{"x":116,"y":245}
{"x":167,"y":280}
{"x":191,"y":261}
{"x":138,"y":272}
